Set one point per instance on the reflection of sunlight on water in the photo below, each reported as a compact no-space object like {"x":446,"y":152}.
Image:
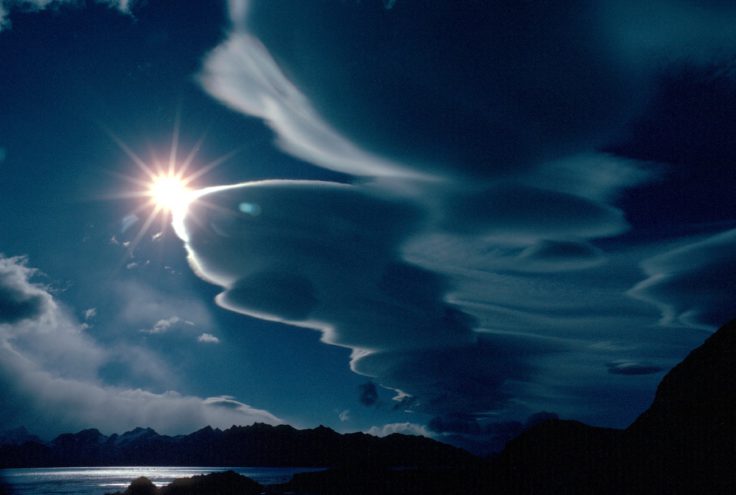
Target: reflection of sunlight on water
{"x":94,"y":481}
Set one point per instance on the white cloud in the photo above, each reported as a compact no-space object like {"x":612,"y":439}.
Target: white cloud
{"x":344,"y":415}
{"x":403,"y":428}
{"x":242,"y":74}
{"x":50,"y":373}
{"x":208,"y":338}
{"x":163,"y":325}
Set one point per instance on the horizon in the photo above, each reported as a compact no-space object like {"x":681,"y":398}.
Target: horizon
{"x":374,"y":216}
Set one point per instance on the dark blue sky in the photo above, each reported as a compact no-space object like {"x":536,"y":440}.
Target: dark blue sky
{"x":431,"y":217}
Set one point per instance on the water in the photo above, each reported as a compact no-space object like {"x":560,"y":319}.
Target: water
{"x":101,"y":480}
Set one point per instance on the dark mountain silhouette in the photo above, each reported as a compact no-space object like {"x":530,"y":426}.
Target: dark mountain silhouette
{"x":17,"y":436}
{"x":256,"y":445}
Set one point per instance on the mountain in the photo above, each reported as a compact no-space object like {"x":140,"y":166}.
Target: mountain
{"x":17,"y":436}
{"x":255,"y":445}
{"x":684,"y":443}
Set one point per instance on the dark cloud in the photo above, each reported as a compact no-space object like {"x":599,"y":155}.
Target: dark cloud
{"x":688,"y":126}
{"x":368,"y":394}
{"x":530,"y":81}
{"x":325,"y":256}
{"x":465,"y":378}
{"x":272,"y":292}
{"x":343,"y":242}
{"x":693,"y":285}
{"x":631,"y":368}
{"x":549,"y":255}
{"x":19,"y":299}
{"x":526,"y":212}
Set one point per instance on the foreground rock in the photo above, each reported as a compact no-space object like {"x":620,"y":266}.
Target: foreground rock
{"x":225,"y":483}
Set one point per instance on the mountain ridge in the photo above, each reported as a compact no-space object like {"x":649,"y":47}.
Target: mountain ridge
{"x":254,"y":445}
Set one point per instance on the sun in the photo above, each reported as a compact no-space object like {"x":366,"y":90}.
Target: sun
{"x":164,"y":188}
{"x":170,"y":193}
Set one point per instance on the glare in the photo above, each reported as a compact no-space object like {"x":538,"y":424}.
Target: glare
{"x":170,"y":193}
{"x":167,"y":188}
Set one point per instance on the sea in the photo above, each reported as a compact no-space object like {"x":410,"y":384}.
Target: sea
{"x":101,"y":480}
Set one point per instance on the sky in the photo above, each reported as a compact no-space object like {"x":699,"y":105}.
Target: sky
{"x":442,"y":218}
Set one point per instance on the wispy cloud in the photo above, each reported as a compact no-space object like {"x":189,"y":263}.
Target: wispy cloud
{"x":163,"y":325}
{"x":7,"y":6}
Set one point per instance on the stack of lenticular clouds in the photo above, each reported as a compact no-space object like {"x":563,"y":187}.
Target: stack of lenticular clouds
{"x":481,"y":263}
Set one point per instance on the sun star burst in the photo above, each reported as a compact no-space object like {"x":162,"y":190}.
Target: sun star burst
{"x":170,"y":192}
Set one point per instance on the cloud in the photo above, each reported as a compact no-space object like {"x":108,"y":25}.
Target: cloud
{"x":516,"y":101}
{"x":208,"y":338}
{"x":7,"y":6}
{"x":163,"y":325}
{"x":19,"y":299}
{"x":404,"y":428}
{"x":50,"y":373}
{"x":344,"y":415}
{"x":631,"y":368}
{"x":512,"y":103}
{"x":692,"y":285}
{"x":478,"y":256}
{"x":548,"y":255}
{"x":243,"y":75}
{"x":157,"y":311}
{"x":322,"y":256}
{"x":90,"y":314}
{"x":524,"y":212}
{"x":368,"y":394}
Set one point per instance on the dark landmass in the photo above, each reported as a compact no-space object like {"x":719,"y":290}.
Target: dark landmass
{"x":685,"y":443}
{"x":256,"y":445}
{"x":17,"y":436}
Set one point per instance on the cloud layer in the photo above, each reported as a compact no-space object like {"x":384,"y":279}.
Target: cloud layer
{"x":50,"y":373}
{"x":477,"y":267}
{"x":694,"y":284}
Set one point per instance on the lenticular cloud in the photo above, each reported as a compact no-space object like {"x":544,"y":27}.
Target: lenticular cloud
{"x":475,"y":268}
